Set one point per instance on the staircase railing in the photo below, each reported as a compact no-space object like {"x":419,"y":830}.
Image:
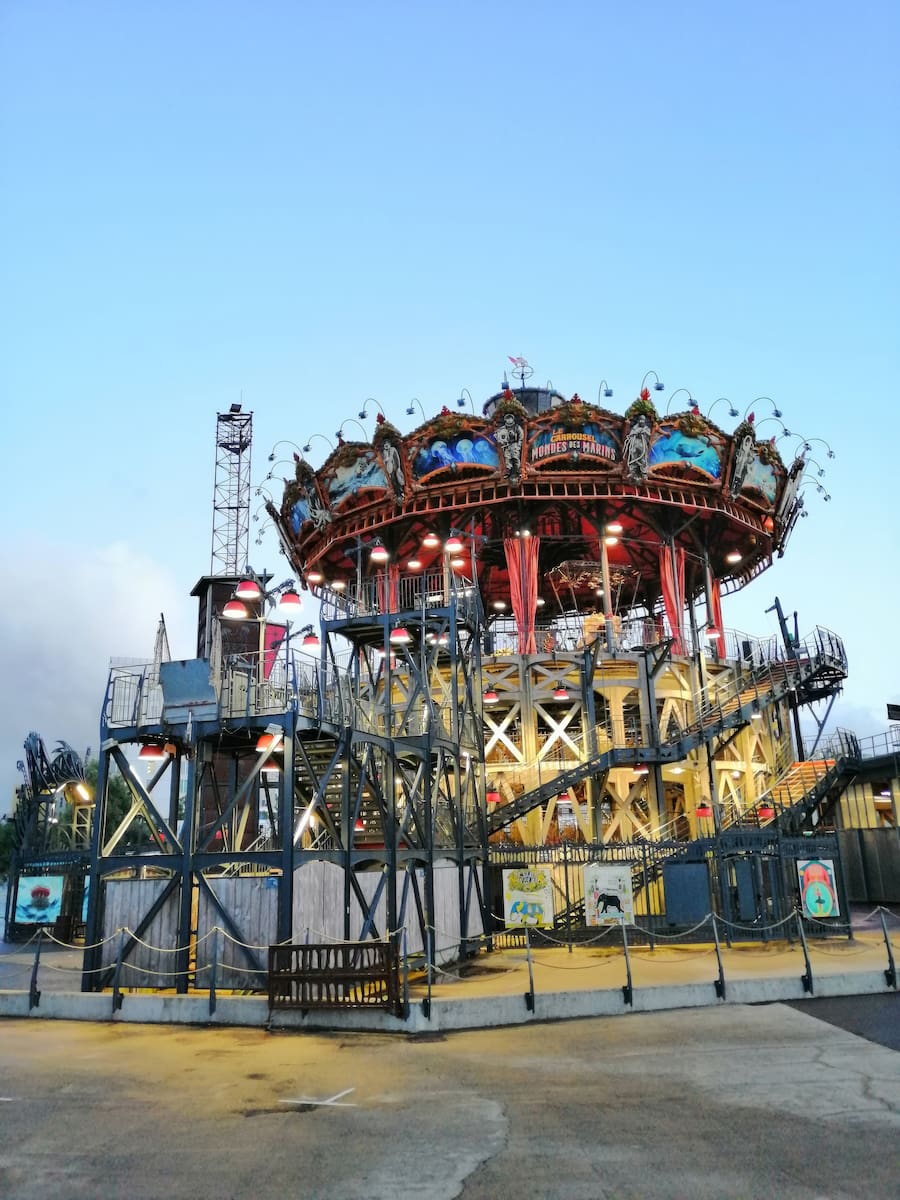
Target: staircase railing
{"x":723,"y":704}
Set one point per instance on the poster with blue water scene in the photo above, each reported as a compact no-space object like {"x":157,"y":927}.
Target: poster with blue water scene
{"x":363,"y":473}
{"x":528,"y":897}
{"x":463,"y":449}
{"x":675,"y":448}
{"x":586,"y":443}
{"x":38,"y":899}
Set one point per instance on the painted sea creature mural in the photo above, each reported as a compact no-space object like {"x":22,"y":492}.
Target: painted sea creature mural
{"x":674,"y":448}
{"x":463,"y":449}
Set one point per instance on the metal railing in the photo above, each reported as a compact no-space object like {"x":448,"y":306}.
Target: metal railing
{"x":880,"y":745}
{"x":249,"y":685}
{"x":380,"y":594}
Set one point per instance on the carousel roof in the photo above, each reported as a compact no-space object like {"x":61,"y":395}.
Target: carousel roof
{"x":584,"y":482}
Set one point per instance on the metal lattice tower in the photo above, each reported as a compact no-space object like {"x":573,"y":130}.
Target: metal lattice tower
{"x":231,"y":494}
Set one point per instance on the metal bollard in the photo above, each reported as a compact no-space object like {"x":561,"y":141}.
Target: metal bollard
{"x":529,"y":995}
{"x":212,"y":971}
{"x":34,"y":996}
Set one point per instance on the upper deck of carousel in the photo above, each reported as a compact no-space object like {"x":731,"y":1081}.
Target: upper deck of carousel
{"x":556,"y":494}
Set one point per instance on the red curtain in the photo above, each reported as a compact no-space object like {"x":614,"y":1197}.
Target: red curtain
{"x":388,"y":587}
{"x":714,"y":617}
{"x":522,"y":565}
{"x":671,"y":574}
{"x":274,"y":640}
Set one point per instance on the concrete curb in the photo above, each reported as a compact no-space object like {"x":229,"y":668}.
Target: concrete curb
{"x":446,"y":1015}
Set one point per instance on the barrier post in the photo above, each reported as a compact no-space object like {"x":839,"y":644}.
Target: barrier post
{"x":890,"y":973}
{"x":34,"y":996}
{"x":806,"y":978}
{"x":426,"y":1003}
{"x":627,"y":990}
{"x":117,"y":993}
{"x":529,"y":995}
{"x":405,"y":977}
{"x":565,"y":850}
{"x":214,"y":954}
{"x":720,"y":982}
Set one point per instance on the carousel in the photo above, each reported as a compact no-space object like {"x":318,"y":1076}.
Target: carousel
{"x":538,"y":589}
{"x":519,"y":658}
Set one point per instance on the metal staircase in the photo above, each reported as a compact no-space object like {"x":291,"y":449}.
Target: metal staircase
{"x":812,"y":669}
{"x":798,"y":793}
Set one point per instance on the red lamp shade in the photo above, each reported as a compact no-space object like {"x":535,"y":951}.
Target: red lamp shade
{"x":290,"y":600}
{"x":766,"y":812}
{"x":641,"y":769}
{"x":248,"y":589}
{"x":704,"y":810}
{"x":400,"y":636}
{"x":311,"y":640}
{"x":378,"y":553}
{"x":490,"y":696}
{"x":265,"y":741}
{"x":359,"y":825}
{"x":560,"y":692}
{"x":234,"y":610}
{"x":492,"y":796}
{"x":151,"y":752}
{"x":453,"y":544}
{"x":430,"y":541}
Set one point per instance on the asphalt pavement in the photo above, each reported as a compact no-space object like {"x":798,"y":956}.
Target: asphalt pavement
{"x":707,"y":1104}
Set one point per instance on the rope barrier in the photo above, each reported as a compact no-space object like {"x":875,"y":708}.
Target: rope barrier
{"x":837,"y":951}
{"x":755,"y":928}
{"x":673,"y":937}
{"x":654,"y":957}
{"x":592,"y":966}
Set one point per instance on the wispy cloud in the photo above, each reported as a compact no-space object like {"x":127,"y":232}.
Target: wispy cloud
{"x":75,"y":610}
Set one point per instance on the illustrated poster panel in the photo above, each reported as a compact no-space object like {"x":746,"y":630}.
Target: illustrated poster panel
{"x":38,"y":899}
{"x":527,"y":897}
{"x":363,"y":473}
{"x":464,"y":449}
{"x":608,"y":894}
{"x":818,"y":887}
{"x":672,"y":448}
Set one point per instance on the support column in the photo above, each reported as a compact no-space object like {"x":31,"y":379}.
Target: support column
{"x":607,"y":595}
{"x":188,"y":837}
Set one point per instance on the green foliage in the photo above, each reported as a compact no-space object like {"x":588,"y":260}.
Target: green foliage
{"x":7,"y":845}
{"x":117,"y":805}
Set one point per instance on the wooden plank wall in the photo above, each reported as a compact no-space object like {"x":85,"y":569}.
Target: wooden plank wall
{"x":251,"y":903}
{"x":150,"y":964}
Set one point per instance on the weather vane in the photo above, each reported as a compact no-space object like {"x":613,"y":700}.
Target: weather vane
{"x":521,"y":369}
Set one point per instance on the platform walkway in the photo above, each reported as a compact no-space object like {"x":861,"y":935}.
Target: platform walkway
{"x":507,"y":987}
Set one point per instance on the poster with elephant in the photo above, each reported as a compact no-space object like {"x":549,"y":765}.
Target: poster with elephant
{"x":608,"y":895}
{"x":528,"y":897}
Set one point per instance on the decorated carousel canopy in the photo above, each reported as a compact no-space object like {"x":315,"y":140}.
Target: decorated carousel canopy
{"x":541,"y":495}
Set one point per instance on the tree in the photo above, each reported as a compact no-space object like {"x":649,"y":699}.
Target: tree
{"x":7,"y":845}
{"x":118,"y":802}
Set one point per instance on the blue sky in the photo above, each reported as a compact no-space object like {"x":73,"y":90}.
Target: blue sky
{"x":302,"y":205}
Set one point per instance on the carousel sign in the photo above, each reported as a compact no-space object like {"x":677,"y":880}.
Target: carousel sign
{"x":587,"y":442}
